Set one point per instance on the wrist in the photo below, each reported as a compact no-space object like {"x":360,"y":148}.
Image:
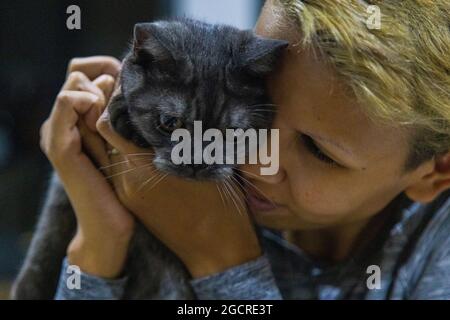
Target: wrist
{"x":99,"y":258}
{"x":204,"y":266}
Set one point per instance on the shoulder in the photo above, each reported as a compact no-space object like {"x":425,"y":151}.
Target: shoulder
{"x":436,"y":232}
{"x":428,"y":266}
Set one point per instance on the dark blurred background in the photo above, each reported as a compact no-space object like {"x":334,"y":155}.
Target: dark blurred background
{"x":35,"y":47}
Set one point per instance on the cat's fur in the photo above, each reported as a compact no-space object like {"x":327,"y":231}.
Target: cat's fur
{"x":186,"y":68}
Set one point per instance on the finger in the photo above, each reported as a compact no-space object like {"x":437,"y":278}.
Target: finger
{"x":78,"y":81}
{"x":69,"y":106}
{"x":106,"y":130}
{"x":94,"y":145}
{"x":43,"y":135}
{"x":105,"y":83}
{"x":95,"y":66}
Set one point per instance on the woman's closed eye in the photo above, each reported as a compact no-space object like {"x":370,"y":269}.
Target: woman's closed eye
{"x":308,"y":142}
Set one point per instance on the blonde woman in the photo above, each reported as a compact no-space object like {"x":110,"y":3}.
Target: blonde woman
{"x":360,"y":207}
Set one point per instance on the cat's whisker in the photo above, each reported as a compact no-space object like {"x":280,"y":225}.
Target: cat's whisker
{"x":234,"y":196}
{"x":239,"y":198}
{"x":240,"y":202}
{"x":114,"y":164}
{"x":230,"y":196}
{"x":144,"y":155}
{"x":260,"y":192}
{"x":263,"y":110}
{"x":263,"y":105}
{"x":240,"y":195}
{"x":161,"y":179}
{"x":120,"y":162}
{"x":258,"y":116}
{"x":227,"y":193}
{"x":139,"y":153}
{"x":129,"y":170}
{"x":247,"y":172}
{"x":155,"y":176}
{"x":241,"y":188}
{"x":259,"y":112}
{"x":220,"y":193}
{"x":248,"y":182}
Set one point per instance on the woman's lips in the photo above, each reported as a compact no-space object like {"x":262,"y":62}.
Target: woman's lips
{"x":259,"y":203}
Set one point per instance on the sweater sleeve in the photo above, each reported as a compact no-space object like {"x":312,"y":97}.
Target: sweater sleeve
{"x":253,"y":280}
{"x":77,"y":285}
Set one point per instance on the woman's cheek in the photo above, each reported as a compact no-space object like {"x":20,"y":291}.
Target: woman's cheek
{"x":317,"y":197}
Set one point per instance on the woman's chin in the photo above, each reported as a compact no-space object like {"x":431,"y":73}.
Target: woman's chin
{"x":276,"y":218}
{"x":281,"y":218}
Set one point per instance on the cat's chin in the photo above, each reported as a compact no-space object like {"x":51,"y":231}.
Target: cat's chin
{"x":206,"y":173}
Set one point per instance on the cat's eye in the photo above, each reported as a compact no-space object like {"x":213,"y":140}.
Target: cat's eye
{"x":169,"y":124}
{"x":315,"y":150}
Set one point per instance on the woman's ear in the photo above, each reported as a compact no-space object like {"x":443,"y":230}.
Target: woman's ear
{"x":431,"y":184}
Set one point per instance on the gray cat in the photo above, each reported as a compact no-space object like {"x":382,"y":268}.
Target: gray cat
{"x":176,"y":72}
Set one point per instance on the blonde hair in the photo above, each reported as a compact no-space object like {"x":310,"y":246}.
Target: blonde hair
{"x":400,"y":73}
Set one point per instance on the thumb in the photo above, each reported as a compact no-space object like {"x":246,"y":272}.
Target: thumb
{"x":106,"y":130}
{"x":105,"y":83}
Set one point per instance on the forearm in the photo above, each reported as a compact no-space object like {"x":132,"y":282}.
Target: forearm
{"x":98,"y":251}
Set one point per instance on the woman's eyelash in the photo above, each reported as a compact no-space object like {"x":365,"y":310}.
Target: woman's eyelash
{"x":315,"y":151}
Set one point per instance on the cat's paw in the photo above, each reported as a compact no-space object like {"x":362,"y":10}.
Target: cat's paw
{"x":120,"y":121}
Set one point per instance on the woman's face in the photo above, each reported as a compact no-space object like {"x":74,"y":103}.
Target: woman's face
{"x":336,"y":166}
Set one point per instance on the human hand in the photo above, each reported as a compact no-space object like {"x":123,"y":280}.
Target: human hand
{"x":191,"y":218}
{"x":69,"y":140}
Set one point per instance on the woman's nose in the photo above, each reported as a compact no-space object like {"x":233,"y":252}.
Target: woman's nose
{"x":253,"y":171}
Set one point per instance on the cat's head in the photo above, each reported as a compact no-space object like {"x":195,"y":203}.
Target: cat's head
{"x":182,"y":71}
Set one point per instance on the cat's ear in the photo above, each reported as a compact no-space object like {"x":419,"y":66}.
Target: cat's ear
{"x":261,"y":54}
{"x":149,"y":44}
